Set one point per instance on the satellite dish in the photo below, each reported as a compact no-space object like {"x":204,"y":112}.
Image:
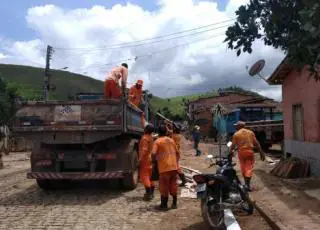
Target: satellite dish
{"x":256,"y":68}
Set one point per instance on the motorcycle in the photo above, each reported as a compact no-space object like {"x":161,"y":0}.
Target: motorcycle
{"x":220,"y":191}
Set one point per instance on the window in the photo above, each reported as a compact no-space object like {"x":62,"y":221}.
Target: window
{"x":297,"y":122}
{"x":232,"y":116}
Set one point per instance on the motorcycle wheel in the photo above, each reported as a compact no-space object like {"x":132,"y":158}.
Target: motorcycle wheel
{"x":213,"y":219}
{"x":246,"y":205}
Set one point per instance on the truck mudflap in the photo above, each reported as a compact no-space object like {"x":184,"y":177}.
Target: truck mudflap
{"x":75,"y":175}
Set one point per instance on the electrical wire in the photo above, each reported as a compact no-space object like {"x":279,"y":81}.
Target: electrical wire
{"x":135,"y":58}
{"x":128,"y":44}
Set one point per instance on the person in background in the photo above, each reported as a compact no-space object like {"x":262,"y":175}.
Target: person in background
{"x":177,"y":139}
{"x":145,"y":170}
{"x":245,"y":140}
{"x":136,"y":94}
{"x":196,"y":136}
{"x":167,"y":155}
{"x":111,"y":84}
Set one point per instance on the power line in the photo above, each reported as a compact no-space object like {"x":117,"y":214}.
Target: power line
{"x":154,"y":38}
{"x":149,"y":43}
{"x":135,"y":58}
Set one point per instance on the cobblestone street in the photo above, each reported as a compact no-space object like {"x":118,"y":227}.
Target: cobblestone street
{"x":89,"y":206}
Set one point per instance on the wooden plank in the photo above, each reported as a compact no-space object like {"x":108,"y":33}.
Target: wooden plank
{"x":277,"y":170}
{"x":285,"y":168}
{"x":274,"y":170}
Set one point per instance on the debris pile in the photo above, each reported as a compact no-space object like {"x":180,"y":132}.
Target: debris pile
{"x":190,"y":188}
{"x":291,"y":168}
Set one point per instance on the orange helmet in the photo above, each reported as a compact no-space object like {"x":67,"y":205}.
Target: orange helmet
{"x":139,"y":82}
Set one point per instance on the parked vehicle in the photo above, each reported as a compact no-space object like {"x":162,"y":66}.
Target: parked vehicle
{"x":267,"y":125}
{"x":89,"y":138}
{"x":221,"y":190}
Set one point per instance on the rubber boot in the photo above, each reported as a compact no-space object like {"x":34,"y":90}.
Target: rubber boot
{"x":183,"y":179}
{"x":164,"y":204}
{"x":147,"y":196}
{"x":174,"y":202}
{"x":152,"y":191}
{"x":247,"y":181}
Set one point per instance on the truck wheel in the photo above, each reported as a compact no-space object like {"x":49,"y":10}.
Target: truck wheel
{"x":130,"y":180}
{"x":45,"y":184}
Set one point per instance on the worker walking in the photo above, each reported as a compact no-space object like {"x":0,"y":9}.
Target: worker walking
{"x":177,"y":139}
{"x":246,"y":140}
{"x":136,"y":94}
{"x":196,"y":136}
{"x":145,"y":170}
{"x":111,"y":84}
{"x":167,"y":155}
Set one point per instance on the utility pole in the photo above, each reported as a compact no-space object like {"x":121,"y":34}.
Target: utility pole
{"x":47,"y":74}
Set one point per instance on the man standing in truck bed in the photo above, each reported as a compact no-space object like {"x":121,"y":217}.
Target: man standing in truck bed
{"x":136,"y":94}
{"x":111,"y":84}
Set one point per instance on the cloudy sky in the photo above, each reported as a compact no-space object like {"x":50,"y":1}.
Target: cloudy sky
{"x":175,"y":46}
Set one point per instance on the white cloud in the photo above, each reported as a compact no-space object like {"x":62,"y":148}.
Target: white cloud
{"x":199,"y":66}
{"x":2,"y":56}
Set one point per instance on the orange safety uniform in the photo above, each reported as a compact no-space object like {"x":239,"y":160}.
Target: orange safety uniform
{"x":177,"y":139}
{"x":135,"y":96}
{"x":145,"y":171}
{"x":111,"y":84}
{"x":245,"y":140}
{"x":167,"y":155}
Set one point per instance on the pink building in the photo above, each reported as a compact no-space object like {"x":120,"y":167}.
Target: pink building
{"x":301,"y":110}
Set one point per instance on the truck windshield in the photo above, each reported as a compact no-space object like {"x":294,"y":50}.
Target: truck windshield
{"x":252,"y":114}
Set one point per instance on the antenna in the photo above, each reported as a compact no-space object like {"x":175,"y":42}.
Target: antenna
{"x":256,"y":68}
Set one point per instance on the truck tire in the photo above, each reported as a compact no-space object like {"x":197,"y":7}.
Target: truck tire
{"x":130,"y":180}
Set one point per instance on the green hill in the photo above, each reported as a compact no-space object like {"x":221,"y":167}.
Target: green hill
{"x":29,"y":80}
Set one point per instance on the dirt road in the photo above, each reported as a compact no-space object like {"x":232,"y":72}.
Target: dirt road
{"x":90,"y":206}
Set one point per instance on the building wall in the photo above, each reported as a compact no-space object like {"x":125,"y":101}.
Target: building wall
{"x":309,"y":151}
{"x":298,"y":89}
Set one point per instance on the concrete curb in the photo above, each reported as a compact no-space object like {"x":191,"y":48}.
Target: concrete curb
{"x":272,"y":223}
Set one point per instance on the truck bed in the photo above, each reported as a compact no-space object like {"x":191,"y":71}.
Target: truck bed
{"x":264,"y":123}
{"x":77,"y":121}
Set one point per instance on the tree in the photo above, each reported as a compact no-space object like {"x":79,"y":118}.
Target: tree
{"x":290,"y":25}
{"x":8,"y":96}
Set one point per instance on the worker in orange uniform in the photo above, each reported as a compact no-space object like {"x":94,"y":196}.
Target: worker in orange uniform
{"x":177,"y":139}
{"x":111,"y":84}
{"x":136,"y":94}
{"x":246,"y":140}
{"x":167,"y":155}
{"x":145,"y":170}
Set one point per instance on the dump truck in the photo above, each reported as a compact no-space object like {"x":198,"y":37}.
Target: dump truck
{"x":89,"y":138}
